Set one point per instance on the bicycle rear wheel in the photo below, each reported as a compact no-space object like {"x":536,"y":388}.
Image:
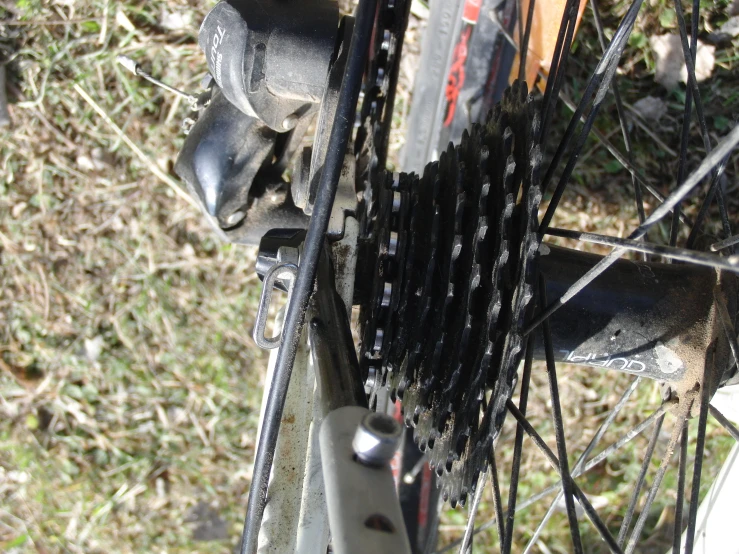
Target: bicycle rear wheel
{"x":660,"y":208}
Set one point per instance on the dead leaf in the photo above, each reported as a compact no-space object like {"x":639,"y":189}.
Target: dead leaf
{"x":670,"y":66}
{"x":175,"y":21}
{"x":650,"y":108}
{"x":731,"y":27}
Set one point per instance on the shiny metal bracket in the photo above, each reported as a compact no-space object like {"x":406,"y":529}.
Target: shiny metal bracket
{"x":287,"y":273}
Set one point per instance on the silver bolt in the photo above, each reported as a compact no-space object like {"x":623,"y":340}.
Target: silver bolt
{"x":187,"y":124}
{"x":377,"y":438}
{"x":289,"y":122}
{"x":235,"y":217}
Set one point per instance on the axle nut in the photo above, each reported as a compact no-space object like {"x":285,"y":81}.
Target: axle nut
{"x":376,"y":439}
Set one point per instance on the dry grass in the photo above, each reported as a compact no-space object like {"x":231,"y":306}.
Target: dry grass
{"x":129,"y":386}
{"x":129,"y":383}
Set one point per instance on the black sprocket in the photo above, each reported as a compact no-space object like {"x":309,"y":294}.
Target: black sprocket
{"x":453,"y":257}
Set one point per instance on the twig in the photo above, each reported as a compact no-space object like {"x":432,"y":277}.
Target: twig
{"x":166,"y":179}
{"x":639,"y":121}
{"x":45,"y":285}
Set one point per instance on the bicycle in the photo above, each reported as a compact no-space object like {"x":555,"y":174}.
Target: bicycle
{"x":451,"y":272}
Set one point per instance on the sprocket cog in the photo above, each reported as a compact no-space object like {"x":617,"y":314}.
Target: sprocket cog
{"x":452,"y":254}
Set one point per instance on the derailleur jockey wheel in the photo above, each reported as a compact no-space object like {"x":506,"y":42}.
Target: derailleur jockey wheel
{"x":452,"y":262}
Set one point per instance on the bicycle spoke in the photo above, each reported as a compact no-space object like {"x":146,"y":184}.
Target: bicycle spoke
{"x":725,"y":423}
{"x":552,"y":459}
{"x":628,"y":437}
{"x":595,"y":91}
{"x":691,"y":256}
{"x":652,"y":494}
{"x":632,"y":433}
{"x":637,"y":119}
{"x":720,"y":245}
{"x":690,"y":66}
{"x":519,"y":21}
{"x":517,"y":448}
{"x":677,"y":531}
{"x":693,"y":86}
{"x":547,"y":516}
{"x":564,"y":469}
{"x":558,"y":64}
{"x":467,"y":539}
{"x":410,"y":477}
{"x":524,"y":50}
{"x":703,"y":212}
{"x":719,"y":153}
{"x":721,"y":202}
{"x":497,"y":503}
{"x":726,"y":323}
{"x":584,"y":456}
{"x":626,"y":163}
{"x":715,"y":181}
{"x":621,"y":117}
{"x":700,"y":444}
{"x":687,"y":114}
{"x":640,"y":481}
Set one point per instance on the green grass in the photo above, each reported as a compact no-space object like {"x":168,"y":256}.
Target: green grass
{"x":129,"y":384}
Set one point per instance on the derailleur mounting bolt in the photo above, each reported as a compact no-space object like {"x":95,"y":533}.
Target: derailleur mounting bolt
{"x":376,"y":439}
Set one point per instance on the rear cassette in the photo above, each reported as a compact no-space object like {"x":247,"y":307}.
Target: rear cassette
{"x":454,"y":252}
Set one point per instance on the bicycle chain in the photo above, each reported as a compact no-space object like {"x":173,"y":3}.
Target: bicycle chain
{"x":453,"y":255}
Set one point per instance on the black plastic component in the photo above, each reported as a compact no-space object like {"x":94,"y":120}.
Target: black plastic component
{"x":221,"y":157}
{"x":270,"y":60}
{"x":271,"y":57}
{"x":326,"y":117}
{"x":224,"y":155}
{"x":272,"y":210}
{"x":269,"y":248}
